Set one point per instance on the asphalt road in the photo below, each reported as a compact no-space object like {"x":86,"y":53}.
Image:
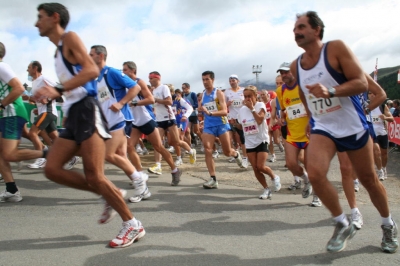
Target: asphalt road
{"x":185,"y":225}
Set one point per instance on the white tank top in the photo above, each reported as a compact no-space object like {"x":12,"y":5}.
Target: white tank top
{"x":379,"y":124}
{"x":338,"y":116}
{"x":106,"y":99}
{"x":63,"y":70}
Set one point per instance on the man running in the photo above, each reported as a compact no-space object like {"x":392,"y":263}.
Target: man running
{"x":85,"y":126}
{"x":331,"y":79}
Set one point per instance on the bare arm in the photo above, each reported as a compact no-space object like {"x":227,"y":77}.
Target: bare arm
{"x":166,"y":101}
{"x":148,"y":97}
{"x":374,"y":88}
{"x":222,"y":104}
{"x":387,"y":116}
{"x":17,"y":90}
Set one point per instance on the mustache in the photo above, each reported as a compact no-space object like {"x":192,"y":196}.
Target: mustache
{"x":298,"y":36}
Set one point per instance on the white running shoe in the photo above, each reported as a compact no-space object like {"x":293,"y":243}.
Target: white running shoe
{"x":239,"y":160}
{"x":316,"y":202}
{"x":128,"y":235}
{"x":109,"y":213}
{"x":215,"y":154}
{"x":139,"y":150}
{"x":277,"y":183}
{"x":245,"y":163}
{"x":231,"y":160}
{"x":39,"y":163}
{"x":307,"y":190}
{"x":381,"y":175}
{"x":385,"y":172}
{"x":202,"y":148}
{"x":6,"y":196}
{"x":356,"y":186}
{"x":357,"y":219}
{"x":171,"y":149}
{"x":281,"y":148}
{"x":266,"y":194}
{"x":178,"y":162}
{"x":145,"y":195}
{"x":74,"y":161}
{"x":145,"y":151}
{"x":272,"y":159}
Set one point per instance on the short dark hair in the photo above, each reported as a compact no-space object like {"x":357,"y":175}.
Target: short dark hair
{"x":155,"y":72}
{"x":397,"y":102}
{"x":314,"y":20}
{"x":51,"y":8}
{"x":208,"y":72}
{"x":131,"y":65}
{"x":100,"y":49}
{"x":186,"y":85}
{"x":178,"y":91}
{"x":2,"y":50}
{"x":37,"y":65}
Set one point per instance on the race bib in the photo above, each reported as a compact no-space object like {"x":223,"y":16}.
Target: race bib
{"x":103,"y":94}
{"x":211,"y":106}
{"x":296,"y":111}
{"x":237,"y":103}
{"x":174,"y":109}
{"x":321,"y":106}
{"x":267,"y":115}
{"x":376,"y":119}
{"x":250,"y":128}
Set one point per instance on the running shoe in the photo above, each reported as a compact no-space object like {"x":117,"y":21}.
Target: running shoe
{"x":210,"y":184}
{"x":357,"y":219}
{"x":192,"y":156}
{"x":307,"y":190}
{"x":176,"y":177}
{"x":340,"y":236}
{"x":202,"y":148}
{"x":178,"y":162}
{"x":272,"y":159}
{"x":277,"y":183}
{"x":139,"y":150}
{"x":145,"y":195}
{"x":280,"y":146}
{"x":239,"y":160}
{"x":316,"y":202}
{"x":108,"y":212}
{"x":231,"y":160}
{"x":385,"y":172}
{"x":74,"y":161}
{"x":381,"y":175}
{"x":296,"y":185}
{"x":389,"y":240}
{"x":245,"y":163}
{"x":6,"y":196}
{"x":266,"y":194}
{"x":215,"y":154}
{"x":39,"y":163}
{"x":128,"y":234}
{"x":145,"y":151}
{"x":145,"y":178}
{"x":20,"y":165}
{"x":155,"y":169}
{"x":356,"y":186}
{"x":171,"y":149}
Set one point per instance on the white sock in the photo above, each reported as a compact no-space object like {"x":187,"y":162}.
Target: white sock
{"x":158,"y":164}
{"x":342,"y":219}
{"x":387,"y":221}
{"x":178,"y":157}
{"x":354,"y":210}
{"x":191,"y":151}
{"x":175,"y":170}
{"x":296,"y":178}
{"x":136,"y":175}
{"x":305,"y":177}
{"x":133,"y":222}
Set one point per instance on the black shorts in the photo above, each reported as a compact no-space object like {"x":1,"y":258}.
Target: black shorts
{"x":284,"y":131}
{"x":147,"y":128}
{"x":166,"y":124}
{"x":128,"y":128}
{"x":241,"y":135}
{"x":84,"y":119}
{"x":46,"y":121}
{"x":263,"y":147}
{"x":194,"y":119}
{"x":383,"y":141}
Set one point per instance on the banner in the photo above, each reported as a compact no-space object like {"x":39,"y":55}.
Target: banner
{"x":394,"y":131}
{"x":31,"y":116}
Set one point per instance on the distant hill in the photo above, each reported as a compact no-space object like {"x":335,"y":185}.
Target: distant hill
{"x":387,"y":78}
{"x":261,"y":85}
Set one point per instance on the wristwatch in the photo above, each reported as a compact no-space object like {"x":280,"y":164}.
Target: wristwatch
{"x":367,"y":110}
{"x":134,"y":103}
{"x":332,"y":92}
{"x":253,"y":110}
{"x":59,"y":88}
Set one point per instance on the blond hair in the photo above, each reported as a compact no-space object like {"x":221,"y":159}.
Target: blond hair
{"x":251,"y":88}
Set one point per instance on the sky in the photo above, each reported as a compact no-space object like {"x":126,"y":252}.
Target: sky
{"x":183,"y":38}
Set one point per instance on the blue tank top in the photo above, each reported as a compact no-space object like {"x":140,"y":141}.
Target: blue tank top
{"x":211,"y":102}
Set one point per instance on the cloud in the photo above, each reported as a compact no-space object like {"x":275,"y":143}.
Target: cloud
{"x":181,"y":39}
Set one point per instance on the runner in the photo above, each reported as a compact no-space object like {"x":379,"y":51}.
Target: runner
{"x":251,"y":118}
{"x":84,"y":133}
{"x":112,"y":85}
{"x":215,"y":125}
{"x":193,"y":126}
{"x":13,"y":117}
{"x":330,"y":79}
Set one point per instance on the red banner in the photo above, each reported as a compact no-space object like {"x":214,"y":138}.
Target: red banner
{"x":394,"y":131}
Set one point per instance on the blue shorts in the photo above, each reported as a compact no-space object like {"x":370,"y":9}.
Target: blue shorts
{"x":128,"y":128}
{"x":166,"y":124}
{"x":350,"y":143}
{"x":118,"y":126}
{"x":11,"y":127}
{"x":182,"y":125}
{"x":147,"y":128}
{"x":216,"y":130}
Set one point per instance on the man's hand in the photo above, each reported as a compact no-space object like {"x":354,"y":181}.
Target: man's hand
{"x":46,"y":92}
{"x":116,"y":107}
{"x":318,"y":90}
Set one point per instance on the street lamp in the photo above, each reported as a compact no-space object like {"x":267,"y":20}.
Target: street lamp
{"x":257,"y":69}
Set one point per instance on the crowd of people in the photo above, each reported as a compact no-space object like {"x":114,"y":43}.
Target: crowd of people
{"x":324,"y":105}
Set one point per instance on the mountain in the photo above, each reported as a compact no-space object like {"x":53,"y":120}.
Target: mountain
{"x":387,"y":79}
{"x":261,"y":85}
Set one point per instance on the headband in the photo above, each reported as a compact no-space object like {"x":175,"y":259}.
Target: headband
{"x":152,"y":76}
